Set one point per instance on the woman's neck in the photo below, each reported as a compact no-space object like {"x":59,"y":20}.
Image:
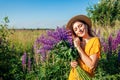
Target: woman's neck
{"x":87,"y":38}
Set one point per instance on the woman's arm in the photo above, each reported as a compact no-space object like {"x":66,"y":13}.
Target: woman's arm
{"x":90,"y":61}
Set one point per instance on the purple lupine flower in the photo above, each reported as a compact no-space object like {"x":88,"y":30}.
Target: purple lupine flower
{"x":110,"y":40}
{"x":117,"y":39}
{"x":29,"y":63}
{"x":59,"y":34}
{"x":24,"y":57}
{"x":105,"y":46}
{"x":114,"y":44}
{"x":47,"y":42}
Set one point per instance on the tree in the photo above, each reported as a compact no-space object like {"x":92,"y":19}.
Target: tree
{"x":105,"y":13}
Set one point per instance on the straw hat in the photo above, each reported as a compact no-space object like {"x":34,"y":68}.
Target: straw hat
{"x":79,"y":18}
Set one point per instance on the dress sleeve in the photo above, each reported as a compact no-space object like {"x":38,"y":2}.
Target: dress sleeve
{"x":96,"y":47}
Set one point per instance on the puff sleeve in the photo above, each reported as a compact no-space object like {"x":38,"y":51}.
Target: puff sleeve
{"x":96,"y":47}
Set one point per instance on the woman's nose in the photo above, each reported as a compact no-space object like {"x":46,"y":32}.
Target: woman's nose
{"x":79,"y":29}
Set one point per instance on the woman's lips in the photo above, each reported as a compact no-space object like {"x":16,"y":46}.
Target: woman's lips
{"x":81,"y":31}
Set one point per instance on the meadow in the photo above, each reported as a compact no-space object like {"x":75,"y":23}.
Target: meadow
{"x":23,"y":55}
{"x":27,"y":37}
{"x":24,"y":40}
{"x":20,"y":59}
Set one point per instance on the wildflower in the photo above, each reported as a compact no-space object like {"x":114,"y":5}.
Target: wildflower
{"x":29,"y":63}
{"x":48,"y":41}
{"x":24,"y":56}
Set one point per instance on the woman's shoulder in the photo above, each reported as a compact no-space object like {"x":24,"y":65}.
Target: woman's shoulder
{"x":95,"y":38}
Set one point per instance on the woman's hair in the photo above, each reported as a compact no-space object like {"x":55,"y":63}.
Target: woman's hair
{"x":90,"y":31}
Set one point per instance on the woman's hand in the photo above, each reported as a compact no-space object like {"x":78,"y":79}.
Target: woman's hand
{"x":76,"y":42}
{"x":74,"y":64}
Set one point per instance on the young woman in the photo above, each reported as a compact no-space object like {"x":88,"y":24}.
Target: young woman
{"x":87,"y":44}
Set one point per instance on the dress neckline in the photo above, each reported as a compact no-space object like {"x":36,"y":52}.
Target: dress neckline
{"x":90,"y":40}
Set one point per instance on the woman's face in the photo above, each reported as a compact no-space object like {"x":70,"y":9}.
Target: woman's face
{"x":80,"y":29}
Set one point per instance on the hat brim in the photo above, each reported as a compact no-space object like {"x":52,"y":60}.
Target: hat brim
{"x":79,"y":18}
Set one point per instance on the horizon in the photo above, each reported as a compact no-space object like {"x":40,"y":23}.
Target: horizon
{"x":33,"y":14}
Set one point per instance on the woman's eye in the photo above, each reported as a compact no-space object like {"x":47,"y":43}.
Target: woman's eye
{"x":80,"y":25}
{"x":75,"y":29}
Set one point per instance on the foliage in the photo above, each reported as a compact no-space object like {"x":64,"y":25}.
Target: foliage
{"x":53,"y":67}
{"x":105,"y":13}
{"x":48,"y":69}
{"x":108,"y":70}
{"x":67,"y":53}
{"x":9,"y":61}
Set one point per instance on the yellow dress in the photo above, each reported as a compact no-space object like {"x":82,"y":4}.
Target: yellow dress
{"x":92,"y":47}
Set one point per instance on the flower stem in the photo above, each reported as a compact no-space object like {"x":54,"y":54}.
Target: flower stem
{"x":82,"y":74}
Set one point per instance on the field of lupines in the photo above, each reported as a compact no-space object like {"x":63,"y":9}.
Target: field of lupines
{"x":23,"y":58}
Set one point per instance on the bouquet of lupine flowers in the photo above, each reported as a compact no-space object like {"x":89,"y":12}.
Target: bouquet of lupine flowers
{"x":59,"y":42}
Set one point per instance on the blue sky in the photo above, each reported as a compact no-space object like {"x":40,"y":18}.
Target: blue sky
{"x":42,"y":13}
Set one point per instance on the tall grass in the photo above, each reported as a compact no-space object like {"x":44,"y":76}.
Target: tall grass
{"x":24,"y":38}
{"x":107,"y":30}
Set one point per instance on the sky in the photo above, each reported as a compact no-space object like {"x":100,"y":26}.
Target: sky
{"x":33,"y":14}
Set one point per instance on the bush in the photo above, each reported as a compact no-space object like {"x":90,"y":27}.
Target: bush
{"x":10,"y":64}
{"x":108,"y":69}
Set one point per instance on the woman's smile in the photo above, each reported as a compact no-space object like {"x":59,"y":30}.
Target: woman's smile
{"x":80,"y":31}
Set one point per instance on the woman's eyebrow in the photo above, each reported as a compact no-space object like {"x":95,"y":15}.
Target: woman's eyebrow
{"x":80,"y":24}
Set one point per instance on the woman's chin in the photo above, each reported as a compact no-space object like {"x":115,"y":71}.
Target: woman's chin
{"x":81,"y":35}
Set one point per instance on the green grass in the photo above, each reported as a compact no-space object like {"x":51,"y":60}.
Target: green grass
{"x":25,"y":38}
